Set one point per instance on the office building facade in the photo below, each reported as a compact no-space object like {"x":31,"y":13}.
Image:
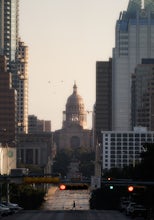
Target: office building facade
{"x":134,"y":41}
{"x":17,"y":55}
{"x":123,"y":148}
{"x":9,"y":22}
{"x":36,"y":150}
{"x":8,"y":106}
{"x":35,"y":125}
{"x":22,"y":87}
{"x":103,"y":105}
{"x":143,"y":96}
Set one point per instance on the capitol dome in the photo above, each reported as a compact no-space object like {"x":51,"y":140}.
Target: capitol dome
{"x":75,"y":111}
{"x":75,"y":98}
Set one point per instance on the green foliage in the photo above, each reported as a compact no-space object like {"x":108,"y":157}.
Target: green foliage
{"x":62,"y":161}
{"x":87,"y":168}
{"x":106,"y":198}
{"x":147,"y":165}
{"x":117,"y":173}
{"x":83,"y":155}
{"x":26,"y":196}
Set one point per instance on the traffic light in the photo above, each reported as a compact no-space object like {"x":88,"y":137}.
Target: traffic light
{"x":73,"y":186}
{"x":130,"y":188}
{"x":62,"y":187}
{"x":111,"y":187}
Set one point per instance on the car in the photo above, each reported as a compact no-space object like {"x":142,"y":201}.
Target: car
{"x":4,"y":210}
{"x":123,"y":205}
{"x":138,"y":210}
{"x":12,"y":206}
{"x":130,"y":208}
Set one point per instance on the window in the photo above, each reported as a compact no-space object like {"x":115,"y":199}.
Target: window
{"x":29,"y":156}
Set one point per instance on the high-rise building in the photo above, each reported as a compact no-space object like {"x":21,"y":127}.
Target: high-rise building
{"x":143,"y":95}
{"x":22,"y":87}
{"x":103,"y":106}
{"x":9,"y":17}
{"x":36,"y":126}
{"x":16,"y":54}
{"x":8,"y":107}
{"x":134,"y":41}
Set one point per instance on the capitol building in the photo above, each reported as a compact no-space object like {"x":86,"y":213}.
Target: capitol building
{"x":74,"y":132}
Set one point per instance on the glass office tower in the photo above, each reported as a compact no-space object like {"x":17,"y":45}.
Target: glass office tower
{"x":134,"y":41}
{"x":9,"y":15}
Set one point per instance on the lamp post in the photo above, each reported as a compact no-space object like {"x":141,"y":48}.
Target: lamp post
{"x":98,"y":167}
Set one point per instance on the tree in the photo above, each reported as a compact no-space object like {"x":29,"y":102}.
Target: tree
{"x":26,"y":196}
{"x":62,"y":161}
{"x":83,"y":155}
{"x":146,"y":167}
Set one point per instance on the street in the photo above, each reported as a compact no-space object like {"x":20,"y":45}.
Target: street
{"x":68,"y":215}
{"x":58,"y":205}
{"x":66,"y":199}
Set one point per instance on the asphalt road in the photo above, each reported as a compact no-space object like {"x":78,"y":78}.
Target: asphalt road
{"x":63,"y":199}
{"x":58,"y":205}
{"x":68,"y":215}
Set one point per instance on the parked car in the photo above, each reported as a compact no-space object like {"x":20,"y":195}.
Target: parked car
{"x":12,"y":206}
{"x":123,"y":205}
{"x":139,"y":210}
{"x":130,"y":208}
{"x":4,"y":210}
{"x":135,"y":210}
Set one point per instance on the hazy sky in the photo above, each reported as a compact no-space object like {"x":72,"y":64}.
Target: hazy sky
{"x":65,"y":39}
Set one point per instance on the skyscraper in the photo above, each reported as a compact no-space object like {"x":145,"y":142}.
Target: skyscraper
{"x":9,"y":16}
{"x":17,"y":55}
{"x":143,"y":95}
{"x":22,"y":87}
{"x":8,"y":108}
{"x":134,"y":41}
{"x":103,"y":106}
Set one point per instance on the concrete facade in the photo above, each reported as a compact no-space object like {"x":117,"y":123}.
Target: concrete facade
{"x":123,"y":148}
{"x":143,"y":96}
{"x":35,"y":150}
{"x":35,"y":125}
{"x":103,"y":106}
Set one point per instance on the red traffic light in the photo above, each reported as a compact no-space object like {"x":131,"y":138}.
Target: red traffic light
{"x":74,"y":186}
{"x":62,"y":187}
{"x":130,"y":188}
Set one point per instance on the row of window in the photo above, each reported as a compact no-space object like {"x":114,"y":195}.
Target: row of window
{"x":130,"y":135}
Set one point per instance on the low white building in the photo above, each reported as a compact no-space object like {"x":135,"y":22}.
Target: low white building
{"x":7,"y":159}
{"x":123,"y":148}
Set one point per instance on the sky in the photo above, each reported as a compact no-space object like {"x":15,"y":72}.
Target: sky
{"x":65,"y":39}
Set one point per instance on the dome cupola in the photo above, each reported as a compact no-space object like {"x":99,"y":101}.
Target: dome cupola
{"x":75,"y":111}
